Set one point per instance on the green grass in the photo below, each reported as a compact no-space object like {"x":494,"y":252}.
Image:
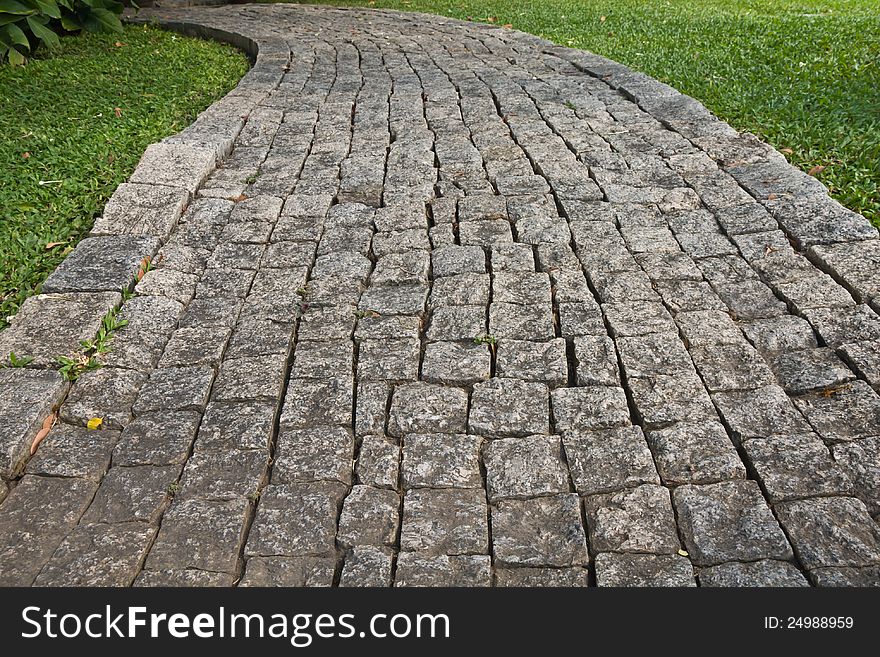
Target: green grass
{"x":64,"y":145}
{"x":802,"y":74}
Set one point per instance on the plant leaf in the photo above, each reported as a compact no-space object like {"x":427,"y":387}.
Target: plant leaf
{"x":42,"y":32}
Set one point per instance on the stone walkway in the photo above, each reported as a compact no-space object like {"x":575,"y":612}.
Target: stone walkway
{"x":456,"y":307}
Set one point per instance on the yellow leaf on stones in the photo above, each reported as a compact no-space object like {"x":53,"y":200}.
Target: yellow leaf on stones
{"x":95,"y":423}
{"x":683,"y":553}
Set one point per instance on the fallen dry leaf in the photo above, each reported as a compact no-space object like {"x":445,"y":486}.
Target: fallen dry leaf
{"x":239,"y":198}
{"x":48,"y":423}
{"x":119,"y":44}
{"x":491,"y":19}
{"x":601,"y":19}
{"x":25,"y":155}
{"x":118,"y":111}
{"x":787,"y":151}
{"x":509,"y":26}
{"x":142,"y":269}
{"x":819,"y":168}
{"x":52,"y":245}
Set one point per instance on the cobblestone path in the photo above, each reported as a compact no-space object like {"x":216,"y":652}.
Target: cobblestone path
{"x":437,"y":304}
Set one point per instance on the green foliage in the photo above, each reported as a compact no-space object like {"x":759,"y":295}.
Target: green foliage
{"x":802,"y":74}
{"x":17,"y":361}
{"x":71,"y":367}
{"x":24,"y":24}
{"x":64,"y":148}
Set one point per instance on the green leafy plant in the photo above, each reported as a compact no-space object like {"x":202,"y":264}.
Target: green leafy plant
{"x":25,"y":24}
{"x":71,"y":367}
{"x":17,"y":361}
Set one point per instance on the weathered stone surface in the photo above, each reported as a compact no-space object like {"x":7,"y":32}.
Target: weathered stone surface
{"x":427,"y":408}
{"x":320,"y":454}
{"x":460,"y":290}
{"x":517,"y":322}
{"x":109,"y":393}
{"x":159,"y":438}
{"x":378,"y":462}
{"x":849,"y":412}
{"x":695,"y":453}
{"x":288,"y":571}
{"x":731,"y":367}
{"x":633,"y":520}
{"x":98,"y":555}
{"x":512,"y":257}
{"x":524,"y":467}
{"x":831,"y":532}
{"x":451,"y":260}
{"x":251,"y":379}
{"x":803,"y":371}
{"x":609,"y":460}
{"x":791,"y":467}
{"x":780,"y":334}
{"x":311,"y":403}
{"x":395,"y":300}
{"x":37,"y":514}
{"x":129,"y":494}
{"x":312,"y":360}
{"x":367,"y":566}
{"x":441,"y":461}
{"x":544,"y":362}
{"x":457,"y":323}
{"x":370,"y":516}
{"x":223,"y":475}
{"x":169,"y":283}
{"x":826,"y":577}
{"x":198,"y":345}
{"x":236,"y":425}
{"x":542,"y":531}
{"x":174,"y":165}
{"x":589,"y":408}
{"x":643,"y":570}
{"x":757,"y":573}
{"x":728,"y":521}
{"x":860,"y":460}
{"x":101,"y":264}
{"x":200,"y":534}
{"x":541,"y":577}
{"x":416,"y":569}
{"x":453,"y":363}
{"x":29,"y":335}
{"x":183,"y":578}
{"x":855,"y":263}
{"x":296,"y":520}
{"x":760,"y":413}
{"x":581,"y":318}
{"x":139,"y":209}
{"x":70,"y":451}
{"x":838,"y":326}
{"x":445,"y":521}
{"x":508,"y":407}
{"x":175,"y":389}
{"x":27,"y":397}
{"x":139,"y":344}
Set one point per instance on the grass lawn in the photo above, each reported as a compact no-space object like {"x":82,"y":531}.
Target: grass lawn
{"x":802,"y":74}
{"x":74,"y":125}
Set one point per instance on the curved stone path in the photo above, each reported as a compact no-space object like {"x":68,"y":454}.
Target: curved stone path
{"x":438,"y":303}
